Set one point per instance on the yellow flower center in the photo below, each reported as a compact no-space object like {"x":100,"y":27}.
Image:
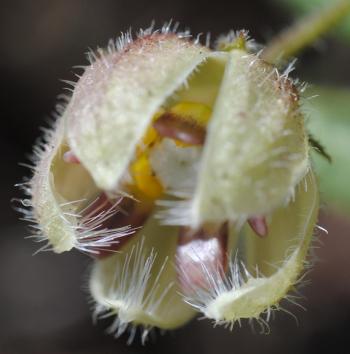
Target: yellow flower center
{"x":185,"y":123}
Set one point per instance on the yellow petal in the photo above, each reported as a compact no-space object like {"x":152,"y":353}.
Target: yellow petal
{"x":256,"y":149}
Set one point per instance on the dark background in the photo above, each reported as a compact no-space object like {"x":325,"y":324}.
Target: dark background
{"x":43,"y":303}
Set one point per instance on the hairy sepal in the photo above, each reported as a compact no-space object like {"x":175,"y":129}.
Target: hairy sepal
{"x":256,"y":149}
{"x":139,"y":284}
{"x":58,"y":191}
{"x":116,"y":98}
{"x":275,"y":266}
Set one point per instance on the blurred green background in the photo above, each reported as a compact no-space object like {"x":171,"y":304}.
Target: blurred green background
{"x":44,"y":307}
{"x":302,"y":7}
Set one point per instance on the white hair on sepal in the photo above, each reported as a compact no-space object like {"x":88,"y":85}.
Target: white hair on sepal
{"x":117,"y":328}
{"x":313,"y":258}
{"x":147,"y":31}
{"x":289,"y":68}
{"x":25,"y":209}
{"x":90,"y":236}
{"x":285,"y":76}
{"x":103,"y":54}
{"x":126,"y":38}
{"x":168,"y":27}
{"x":42,"y":146}
{"x":235,"y":279}
{"x":44,"y":143}
{"x":251,"y":45}
{"x":321,"y":228}
{"x":198,"y":38}
{"x":208,"y":40}
{"x":70,"y":83}
{"x":184,"y":86}
{"x":134,"y":290}
{"x":218,"y":282}
{"x":123,"y":41}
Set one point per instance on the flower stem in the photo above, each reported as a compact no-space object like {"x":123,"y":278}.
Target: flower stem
{"x":304,"y":32}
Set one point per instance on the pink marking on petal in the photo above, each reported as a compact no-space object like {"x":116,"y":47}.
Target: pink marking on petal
{"x":69,"y":157}
{"x":259,"y":225}
{"x":199,"y":254}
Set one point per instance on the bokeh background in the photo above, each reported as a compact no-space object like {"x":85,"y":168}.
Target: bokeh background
{"x":44,"y":304}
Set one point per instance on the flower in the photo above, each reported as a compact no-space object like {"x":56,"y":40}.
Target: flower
{"x":185,"y":173}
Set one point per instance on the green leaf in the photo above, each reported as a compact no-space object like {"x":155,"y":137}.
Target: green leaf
{"x":329,"y":123}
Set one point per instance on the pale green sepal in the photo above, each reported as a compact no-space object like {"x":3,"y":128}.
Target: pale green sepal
{"x":116,"y":98}
{"x":58,"y":191}
{"x":256,"y":149}
{"x":139,"y":284}
{"x":273,"y":269}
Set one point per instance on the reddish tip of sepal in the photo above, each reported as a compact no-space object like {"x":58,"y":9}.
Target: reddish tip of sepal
{"x":259,"y":225}
{"x":69,"y":157}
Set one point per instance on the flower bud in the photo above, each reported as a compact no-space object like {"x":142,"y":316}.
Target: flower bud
{"x":185,"y":171}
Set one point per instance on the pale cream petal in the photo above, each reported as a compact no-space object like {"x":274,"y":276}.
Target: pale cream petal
{"x":114,"y":101}
{"x":139,"y":284}
{"x":256,"y":149}
{"x":59,"y":190}
{"x":273,"y":265}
